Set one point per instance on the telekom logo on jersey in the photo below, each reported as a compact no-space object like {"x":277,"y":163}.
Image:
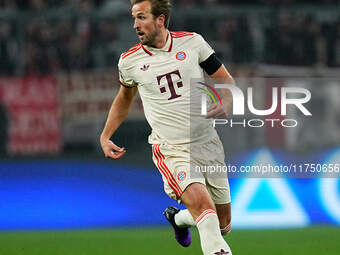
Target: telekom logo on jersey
{"x":239,"y":105}
{"x":168,"y":77}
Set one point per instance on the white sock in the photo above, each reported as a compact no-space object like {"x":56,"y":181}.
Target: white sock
{"x":184,"y":219}
{"x":212,"y":241}
{"x":226,"y":230}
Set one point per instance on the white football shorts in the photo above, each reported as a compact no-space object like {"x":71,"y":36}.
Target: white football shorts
{"x":181,"y":165}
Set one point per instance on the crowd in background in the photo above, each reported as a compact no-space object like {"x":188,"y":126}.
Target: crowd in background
{"x":302,"y":40}
{"x":44,"y":4}
{"x":43,"y":44}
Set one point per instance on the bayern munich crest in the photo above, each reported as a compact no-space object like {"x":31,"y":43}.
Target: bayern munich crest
{"x":181,"y":176}
{"x":181,"y":55}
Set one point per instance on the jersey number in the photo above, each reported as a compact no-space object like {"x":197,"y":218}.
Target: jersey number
{"x":168,"y":77}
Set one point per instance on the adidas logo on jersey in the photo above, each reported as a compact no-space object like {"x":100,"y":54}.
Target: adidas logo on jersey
{"x":145,"y":67}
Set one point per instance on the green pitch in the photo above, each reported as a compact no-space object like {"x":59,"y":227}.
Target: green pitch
{"x":160,"y":241}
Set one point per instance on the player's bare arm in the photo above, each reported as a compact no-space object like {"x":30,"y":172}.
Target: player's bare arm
{"x":221,"y":111}
{"x":118,"y":112}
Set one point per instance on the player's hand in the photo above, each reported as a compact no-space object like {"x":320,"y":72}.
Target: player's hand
{"x":111,"y":150}
{"x":215,"y":111}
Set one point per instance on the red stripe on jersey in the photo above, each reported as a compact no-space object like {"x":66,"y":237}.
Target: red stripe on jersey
{"x":180,"y":34}
{"x":206,"y":212}
{"x":132,"y":48}
{"x":146,"y":51}
{"x":130,"y":52}
{"x":170,"y":47}
{"x":167,"y":175}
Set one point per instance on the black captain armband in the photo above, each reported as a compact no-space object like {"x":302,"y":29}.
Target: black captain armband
{"x":211,"y":64}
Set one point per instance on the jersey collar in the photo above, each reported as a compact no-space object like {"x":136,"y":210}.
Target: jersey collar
{"x":167,"y":47}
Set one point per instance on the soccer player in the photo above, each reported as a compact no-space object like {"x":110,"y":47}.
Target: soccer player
{"x":161,"y":67}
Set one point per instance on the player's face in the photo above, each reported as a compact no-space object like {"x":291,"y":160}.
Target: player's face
{"x":145,"y":23}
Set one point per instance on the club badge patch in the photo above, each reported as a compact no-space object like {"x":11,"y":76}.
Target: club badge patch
{"x":181,"y":176}
{"x":181,"y":56}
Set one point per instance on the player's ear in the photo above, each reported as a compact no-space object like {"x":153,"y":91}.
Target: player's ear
{"x":161,"y":20}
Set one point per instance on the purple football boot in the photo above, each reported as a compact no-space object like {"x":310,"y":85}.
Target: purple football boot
{"x":182,"y":235}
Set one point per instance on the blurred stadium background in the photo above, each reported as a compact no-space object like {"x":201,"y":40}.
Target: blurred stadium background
{"x":58,"y":76}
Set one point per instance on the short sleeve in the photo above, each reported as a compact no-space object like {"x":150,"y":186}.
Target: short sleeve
{"x":124,"y":76}
{"x":204,"y":49}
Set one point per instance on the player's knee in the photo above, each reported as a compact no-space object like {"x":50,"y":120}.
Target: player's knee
{"x":197,"y":198}
{"x":201,"y":206}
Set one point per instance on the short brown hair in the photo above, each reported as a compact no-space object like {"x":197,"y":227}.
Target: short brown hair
{"x":158,"y":7}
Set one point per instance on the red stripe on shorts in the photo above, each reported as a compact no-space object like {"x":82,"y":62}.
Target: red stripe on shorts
{"x":163,"y":172}
{"x":166,"y":174}
{"x":167,"y":170}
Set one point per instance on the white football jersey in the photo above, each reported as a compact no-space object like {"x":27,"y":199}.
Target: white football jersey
{"x":163,"y":77}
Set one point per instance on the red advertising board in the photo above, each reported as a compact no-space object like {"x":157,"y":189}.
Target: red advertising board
{"x":34,"y":113}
